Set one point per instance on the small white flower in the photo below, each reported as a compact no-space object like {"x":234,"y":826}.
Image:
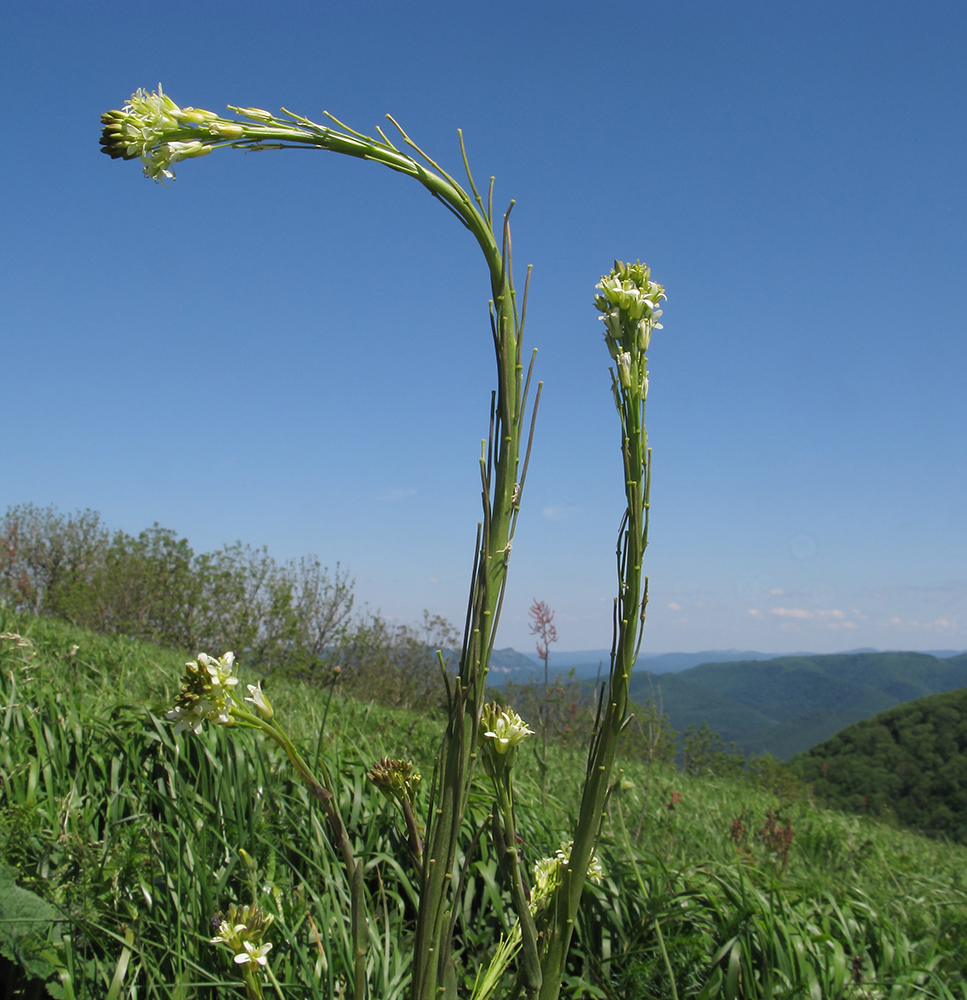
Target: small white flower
{"x":220,"y":670}
{"x":259,"y":700}
{"x":549,"y":873}
{"x":185,"y":150}
{"x":225,"y":933}
{"x":624,"y":369}
{"x":503,"y":729}
{"x":205,"y":693}
{"x":253,"y":953}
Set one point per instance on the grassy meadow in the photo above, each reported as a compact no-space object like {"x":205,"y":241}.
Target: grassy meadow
{"x":119,"y":842}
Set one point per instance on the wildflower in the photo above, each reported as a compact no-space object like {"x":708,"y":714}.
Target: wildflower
{"x":629,"y":302}
{"x":260,"y":701}
{"x":501,"y":732}
{"x":206,"y":693}
{"x":624,"y":368}
{"x":242,"y":930}
{"x":152,"y":128}
{"x":630,"y":288}
{"x":549,"y":874}
{"x":395,"y":778}
{"x":502,"y":728}
{"x":253,"y":953}
{"x":157,"y":163}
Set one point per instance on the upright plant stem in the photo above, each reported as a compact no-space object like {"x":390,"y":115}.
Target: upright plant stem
{"x":629,"y":302}
{"x":154,"y":129}
{"x":433,"y":973}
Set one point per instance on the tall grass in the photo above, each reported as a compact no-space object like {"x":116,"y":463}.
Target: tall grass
{"x":133,"y":834}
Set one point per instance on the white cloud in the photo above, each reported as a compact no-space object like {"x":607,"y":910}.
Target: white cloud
{"x":674,"y":607}
{"x":938,"y":625}
{"x":834,"y":614}
{"x":755,"y":613}
{"x":560,"y":513}
{"x":777,"y":592}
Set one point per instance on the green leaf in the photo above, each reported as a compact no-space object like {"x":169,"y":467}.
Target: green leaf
{"x":30,"y":933}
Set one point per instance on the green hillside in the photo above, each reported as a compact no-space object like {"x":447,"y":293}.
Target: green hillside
{"x":909,"y":763}
{"x":786,"y":705}
{"x":119,"y":842}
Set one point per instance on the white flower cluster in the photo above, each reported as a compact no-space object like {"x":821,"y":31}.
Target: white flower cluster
{"x":206,"y":693}
{"x":242,"y":929}
{"x":501,"y":732}
{"x":549,"y":874}
{"x":153,"y":128}
{"x":629,"y":302}
{"x":502,"y":728}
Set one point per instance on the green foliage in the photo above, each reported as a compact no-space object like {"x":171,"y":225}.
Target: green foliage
{"x":155,"y":587}
{"x":30,"y":935}
{"x":294,"y":619}
{"x":649,"y":736}
{"x":395,"y":664}
{"x":131,"y":835}
{"x":705,"y":752}
{"x":909,"y":763}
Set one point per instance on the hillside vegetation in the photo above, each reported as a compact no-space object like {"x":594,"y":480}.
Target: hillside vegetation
{"x":786,"y":705}
{"x":909,"y":763}
{"x":119,"y":843}
{"x":295,"y":618}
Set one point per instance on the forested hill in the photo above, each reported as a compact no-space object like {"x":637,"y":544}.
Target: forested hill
{"x":909,"y":762}
{"x":786,"y":705}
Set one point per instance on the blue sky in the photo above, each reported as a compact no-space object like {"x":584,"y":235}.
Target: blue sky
{"x":292,"y":349}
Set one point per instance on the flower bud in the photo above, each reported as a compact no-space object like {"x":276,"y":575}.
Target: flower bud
{"x":624,"y":369}
{"x":226,"y":130}
{"x":256,"y":114}
{"x":196,"y":115}
{"x":395,"y":778}
{"x":260,"y":701}
{"x":644,"y":334}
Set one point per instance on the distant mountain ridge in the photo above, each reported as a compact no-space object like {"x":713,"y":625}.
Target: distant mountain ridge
{"x":781,"y":705}
{"x":587,"y":663}
{"x":788,"y":704}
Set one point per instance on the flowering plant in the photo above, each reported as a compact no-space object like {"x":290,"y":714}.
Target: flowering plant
{"x":159,"y":133}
